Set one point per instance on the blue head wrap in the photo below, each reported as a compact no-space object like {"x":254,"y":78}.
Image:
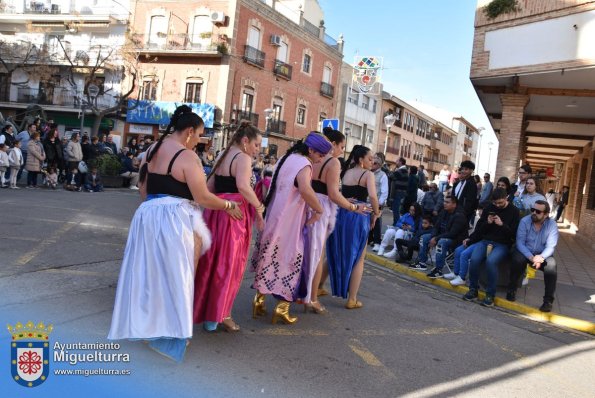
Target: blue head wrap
{"x":318,"y":143}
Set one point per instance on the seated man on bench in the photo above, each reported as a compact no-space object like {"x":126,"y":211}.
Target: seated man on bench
{"x":536,"y":240}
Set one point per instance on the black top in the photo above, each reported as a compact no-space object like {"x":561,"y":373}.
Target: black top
{"x":319,"y":186}
{"x":226,"y":184}
{"x":167,"y":184}
{"x":356,"y":191}
{"x":505,"y":233}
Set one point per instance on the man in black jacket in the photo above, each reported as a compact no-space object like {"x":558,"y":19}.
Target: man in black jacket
{"x":466,"y":190}
{"x":449,"y":231}
{"x":400,"y":182}
{"x":494,"y":234}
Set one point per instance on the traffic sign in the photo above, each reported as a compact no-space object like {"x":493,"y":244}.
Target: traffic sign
{"x":332,"y":123}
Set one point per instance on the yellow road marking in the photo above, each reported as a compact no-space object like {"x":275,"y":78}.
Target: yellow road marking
{"x":366,"y":355}
{"x":25,"y":258}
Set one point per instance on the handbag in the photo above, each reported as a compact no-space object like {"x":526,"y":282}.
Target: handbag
{"x":82,"y":166}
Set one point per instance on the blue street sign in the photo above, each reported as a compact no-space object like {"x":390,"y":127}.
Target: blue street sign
{"x":332,"y":123}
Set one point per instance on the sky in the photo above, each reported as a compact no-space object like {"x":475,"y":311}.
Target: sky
{"x":426,"y":46}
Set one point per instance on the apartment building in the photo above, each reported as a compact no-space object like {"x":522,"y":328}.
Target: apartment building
{"x":51,"y":49}
{"x":533,"y":70}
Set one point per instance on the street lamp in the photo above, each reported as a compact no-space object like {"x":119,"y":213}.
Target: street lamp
{"x":347,"y":133}
{"x":490,"y":144}
{"x":389,"y":120}
{"x":477,"y":156}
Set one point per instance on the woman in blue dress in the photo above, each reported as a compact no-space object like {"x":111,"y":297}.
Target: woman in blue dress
{"x":346,"y":246}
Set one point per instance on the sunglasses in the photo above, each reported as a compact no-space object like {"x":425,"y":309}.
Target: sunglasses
{"x":534,"y":210}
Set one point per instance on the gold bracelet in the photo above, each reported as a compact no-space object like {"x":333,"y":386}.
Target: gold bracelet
{"x":232,"y":205}
{"x":353,"y":207}
{"x":227,"y":205}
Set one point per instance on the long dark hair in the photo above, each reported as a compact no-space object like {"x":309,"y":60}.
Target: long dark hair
{"x":182,"y":118}
{"x":506,"y":182}
{"x":333,"y":135}
{"x":418,"y":215}
{"x":245,"y":129}
{"x":300,"y":148}
{"x":358,"y":152}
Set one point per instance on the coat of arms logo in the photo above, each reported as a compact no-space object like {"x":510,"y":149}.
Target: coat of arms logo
{"x":29,"y":348}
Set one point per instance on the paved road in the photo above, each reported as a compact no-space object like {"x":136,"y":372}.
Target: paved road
{"x":60,"y":256}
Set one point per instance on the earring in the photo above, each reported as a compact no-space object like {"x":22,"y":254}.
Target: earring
{"x":245,"y":150}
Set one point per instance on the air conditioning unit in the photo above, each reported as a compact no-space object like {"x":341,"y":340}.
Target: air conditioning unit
{"x":217,"y":17}
{"x":276,"y":40}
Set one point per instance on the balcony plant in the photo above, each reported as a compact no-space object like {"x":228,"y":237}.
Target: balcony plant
{"x":499,"y":7}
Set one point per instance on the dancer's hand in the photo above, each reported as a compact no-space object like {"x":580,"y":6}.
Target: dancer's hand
{"x":315,"y":217}
{"x":235,"y":213}
{"x":259,"y":222}
{"x":362,"y":209}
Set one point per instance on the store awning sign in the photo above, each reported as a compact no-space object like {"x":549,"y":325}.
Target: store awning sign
{"x":159,"y":112}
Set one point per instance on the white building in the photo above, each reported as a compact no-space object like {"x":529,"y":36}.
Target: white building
{"x":51,"y":46}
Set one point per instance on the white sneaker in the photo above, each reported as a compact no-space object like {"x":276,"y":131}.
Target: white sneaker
{"x":391,"y":254}
{"x":450,"y":275}
{"x":134,"y":187}
{"x":381,"y":250}
{"x":525,"y":281}
{"x":376,"y":247}
{"x":458,"y":281}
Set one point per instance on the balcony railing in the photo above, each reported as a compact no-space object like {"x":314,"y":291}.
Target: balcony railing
{"x":57,"y":97}
{"x":394,"y":151}
{"x":254,"y":56}
{"x":282,"y":69}
{"x":253,"y":117}
{"x":173,"y":42}
{"x":327,"y":90}
{"x":277,"y":126}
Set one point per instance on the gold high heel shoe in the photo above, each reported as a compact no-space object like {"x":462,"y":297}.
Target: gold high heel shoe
{"x":353,"y":304}
{"x":322,"y":292}
{"x":258,"y":305}
{"x":229,"y":325}
{"x":282,"y":313}
{"x":315,"y":307}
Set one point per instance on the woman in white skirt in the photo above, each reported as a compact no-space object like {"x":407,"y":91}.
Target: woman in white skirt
{"x":167,"y":235}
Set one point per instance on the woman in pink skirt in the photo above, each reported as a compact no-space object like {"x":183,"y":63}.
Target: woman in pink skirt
{"x":221,"y":268}
{"x":279,"y":253}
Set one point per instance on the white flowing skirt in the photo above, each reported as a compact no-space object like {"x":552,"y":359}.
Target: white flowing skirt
{"x":155,"y":291}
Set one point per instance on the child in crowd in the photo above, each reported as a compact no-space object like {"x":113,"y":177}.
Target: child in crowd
{"x":52,"y":178}
{"x":404,"y":228}
{"x":93,"y":181}
{"x":15,"y":161}
{"x":4,"y":165}
{"x":413,"y":243}
{"x":72,"y":181}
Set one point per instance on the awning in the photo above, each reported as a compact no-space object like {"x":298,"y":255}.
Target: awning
{"x":73,"y":121}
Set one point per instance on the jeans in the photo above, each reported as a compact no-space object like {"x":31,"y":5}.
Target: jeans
{"x":23,"y":166}
{"x":32,"y":178}
{"x":462,"y":256}
{"x":498,"y":254}
{"x":97,"y":188}
{"x":442,"y":186}
{"x":559,"y":211}
{"x":396,"y":205}
{"x":518,"y":263}
{"x":442,"y":247}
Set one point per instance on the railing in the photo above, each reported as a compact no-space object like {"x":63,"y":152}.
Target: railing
{"x":254,"y":56}
{"x":58,"y":97}
{"x":277,"y":126}
{"x":394,"y":151}
{"x":173,"y":42}
{"x":329,"y":41}
{"x":282,"y":69}
{"x":327,"y":90}
{"x":311,"y":28}
{"x":253,"y":117}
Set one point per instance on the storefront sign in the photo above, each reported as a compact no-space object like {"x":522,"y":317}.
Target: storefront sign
{"x":159,"y":112}
{"x":140,"y":129}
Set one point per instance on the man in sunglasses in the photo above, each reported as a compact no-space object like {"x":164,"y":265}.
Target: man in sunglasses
{"x":536,"y":240}
{"x":494,"y":235}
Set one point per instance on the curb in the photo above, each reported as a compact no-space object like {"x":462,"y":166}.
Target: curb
{"x":533,"y":313}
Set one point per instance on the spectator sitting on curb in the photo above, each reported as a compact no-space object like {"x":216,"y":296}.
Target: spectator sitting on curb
{"x":129,"y":171}
{"x":494,"y":234}
{"x":93,"y":181}
{"x":449,"y":231}
{"x":536,"y":240}
{"x":409,"y":223}
{"x":413,"y":243}
{"x":72,"y":182}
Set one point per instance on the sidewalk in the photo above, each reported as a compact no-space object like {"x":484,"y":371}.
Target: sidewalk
{"x":575,"y":289}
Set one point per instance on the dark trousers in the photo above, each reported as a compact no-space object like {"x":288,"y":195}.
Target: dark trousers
{"x":411,"y":245}
{"x":398,"y":197}
{"x":376,"y":232}
{"x":518,"y":263}
{"x":561,"y":207}
{"x":32,"y":178}
{"x":23,"y":166}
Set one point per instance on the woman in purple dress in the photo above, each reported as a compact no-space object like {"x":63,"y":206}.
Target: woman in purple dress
{"x":278,"y":256}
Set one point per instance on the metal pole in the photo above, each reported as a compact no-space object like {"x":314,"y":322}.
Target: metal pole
{"x":82,"y":120}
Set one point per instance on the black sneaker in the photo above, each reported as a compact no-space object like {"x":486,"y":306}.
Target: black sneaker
{"x":471,"y":295}
{"x":488,"y":301}
{"x":435,"y":273}
{"x":546,"y":307}
{"x":419,"y":266}
{"x":511,"y":296}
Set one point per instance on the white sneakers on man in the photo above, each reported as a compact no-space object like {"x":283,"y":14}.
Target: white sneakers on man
{"x":391,"y":254}
{"x":450,"y":275}
{"x":376,"y":247}
{"x":381,"y":250}
{"x":458,"y":281}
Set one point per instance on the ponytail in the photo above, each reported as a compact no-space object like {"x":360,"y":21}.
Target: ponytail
{"x":300,"y":148}
{"x":182,"y":118}
{"x":358,"y":152}
{"x":245,"y":129}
